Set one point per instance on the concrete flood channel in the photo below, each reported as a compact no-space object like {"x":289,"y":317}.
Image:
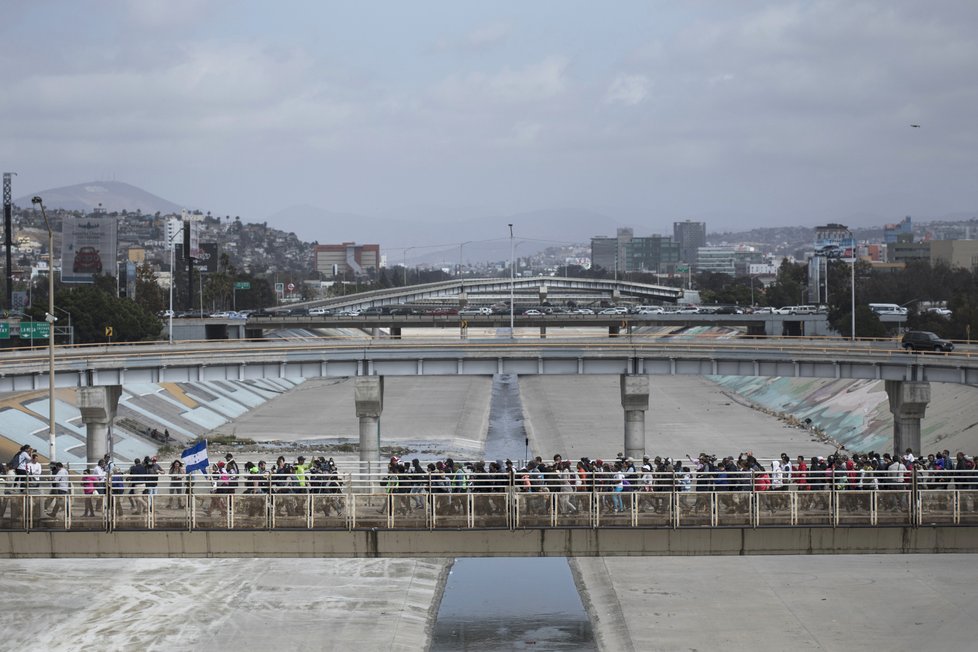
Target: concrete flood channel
{"x":510,"y":603}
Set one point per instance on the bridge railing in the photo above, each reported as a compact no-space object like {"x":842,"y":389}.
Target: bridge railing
{"x":463,"y":500}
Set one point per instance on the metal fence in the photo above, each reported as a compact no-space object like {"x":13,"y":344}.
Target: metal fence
{"x":461,"y":500}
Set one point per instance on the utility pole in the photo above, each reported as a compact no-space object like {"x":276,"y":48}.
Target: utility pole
{"x":7,"y":238}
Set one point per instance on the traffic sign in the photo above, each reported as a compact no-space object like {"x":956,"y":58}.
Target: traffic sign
{"x":108,"y":331}
{"x":5,"y":331}
{"x":242,"y":285}
{"x":34,"y":330}
{"x":291,"y":286}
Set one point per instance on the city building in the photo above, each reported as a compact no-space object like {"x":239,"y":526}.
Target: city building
{"x":905,"y":250}
{"x":604,"y":252}
{"x":689,"y":236}
{"x":892,"y":232}
{"x":955,"y":253}
{"x":346,"y":259}
{"x":654,"y":253}
{"x":733,"y":260}
{"x":628,"y":253}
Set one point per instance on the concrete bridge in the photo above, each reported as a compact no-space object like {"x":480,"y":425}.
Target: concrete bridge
{"x":99,"y":372}
{"x":923,"y":516}
{"x":487,"y":290}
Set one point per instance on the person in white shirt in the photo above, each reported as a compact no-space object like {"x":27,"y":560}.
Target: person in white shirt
{"x":34,"y":470}
{"x":59,"y":490}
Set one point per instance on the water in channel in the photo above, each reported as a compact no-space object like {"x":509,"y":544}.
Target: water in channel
{"x":511,"y":603}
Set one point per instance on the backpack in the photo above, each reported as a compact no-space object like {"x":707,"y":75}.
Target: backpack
{"x":14,"y":461}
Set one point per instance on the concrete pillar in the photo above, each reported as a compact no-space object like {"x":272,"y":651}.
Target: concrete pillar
{"x":635,"y":400}
{"x":98,"y":406}
{"x":368,"y":393}
{"x":543,"y":332}
{"x":395,"y":332}
{"x":908,"y":402}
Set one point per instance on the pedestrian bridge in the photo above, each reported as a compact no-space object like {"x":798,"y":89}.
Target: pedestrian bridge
{"x":355,"y":515}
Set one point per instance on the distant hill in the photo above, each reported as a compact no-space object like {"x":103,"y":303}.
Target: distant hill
{"x":113,"y":196}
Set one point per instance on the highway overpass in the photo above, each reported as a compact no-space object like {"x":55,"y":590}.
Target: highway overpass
{"x":99,"y":372}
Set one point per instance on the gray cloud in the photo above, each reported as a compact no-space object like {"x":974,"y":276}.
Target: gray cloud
{"x":770,"y":112}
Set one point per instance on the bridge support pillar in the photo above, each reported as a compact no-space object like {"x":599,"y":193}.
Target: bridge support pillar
{"x":98,"y":406}
{"x":908,"y":402}
{"x":395,"y":332}
{"x":635,"y":400}
{"x":368,"y":392}
{"x":613,"y":331}
{"x":543,"y":332}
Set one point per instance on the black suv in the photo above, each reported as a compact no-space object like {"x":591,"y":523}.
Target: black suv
{"x":925,"y":341}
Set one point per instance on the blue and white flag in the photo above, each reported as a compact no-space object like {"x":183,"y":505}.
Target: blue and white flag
{"x":195,"y":457}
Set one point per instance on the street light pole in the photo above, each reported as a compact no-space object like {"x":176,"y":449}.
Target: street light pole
{"x":50,"y":319}
{"x":404,"y":263}
{"x":852,"y":284}
{"x":460,"y":245}
{"x":512,"y":281}
{"x":173,"y":278}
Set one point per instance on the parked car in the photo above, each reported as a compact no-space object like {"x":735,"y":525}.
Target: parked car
{"x":319,"y":311}
{"x":925,"y":341}
{"x":533,"y":312}
{"x":583,"y":311}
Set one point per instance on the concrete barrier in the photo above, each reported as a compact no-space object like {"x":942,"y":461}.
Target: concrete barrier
{"x":491,"y":543}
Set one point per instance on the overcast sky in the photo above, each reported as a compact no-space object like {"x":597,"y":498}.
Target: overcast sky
{"x":737,"y":112}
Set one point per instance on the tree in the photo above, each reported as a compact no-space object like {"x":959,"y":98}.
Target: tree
{"x":93,"y":309}
{"x":149,"y":295}
{"x":789,"y":287}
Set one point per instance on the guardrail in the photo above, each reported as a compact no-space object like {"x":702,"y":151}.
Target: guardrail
{"x":488,"y":501}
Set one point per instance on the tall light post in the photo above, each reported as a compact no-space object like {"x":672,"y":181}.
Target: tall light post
{"x":404,"y":263}
{"x":852,"y":283}
{"x":173,"y":278}
{"x":50,"y":319}
{"x":460,"y":245}
{"x":512,"y":281}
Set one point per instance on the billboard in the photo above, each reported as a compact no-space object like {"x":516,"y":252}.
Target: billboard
{"x":206,"y":257}
{"x":88,"y":248}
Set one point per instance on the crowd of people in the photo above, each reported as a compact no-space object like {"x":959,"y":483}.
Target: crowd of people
{"x":142,"y":481}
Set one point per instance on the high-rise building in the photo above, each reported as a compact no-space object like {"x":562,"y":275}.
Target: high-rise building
{"x":604,"y":252}
{"x":628,"y":253}
{"x":690,"y":236}
{"x":654,"y":253}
